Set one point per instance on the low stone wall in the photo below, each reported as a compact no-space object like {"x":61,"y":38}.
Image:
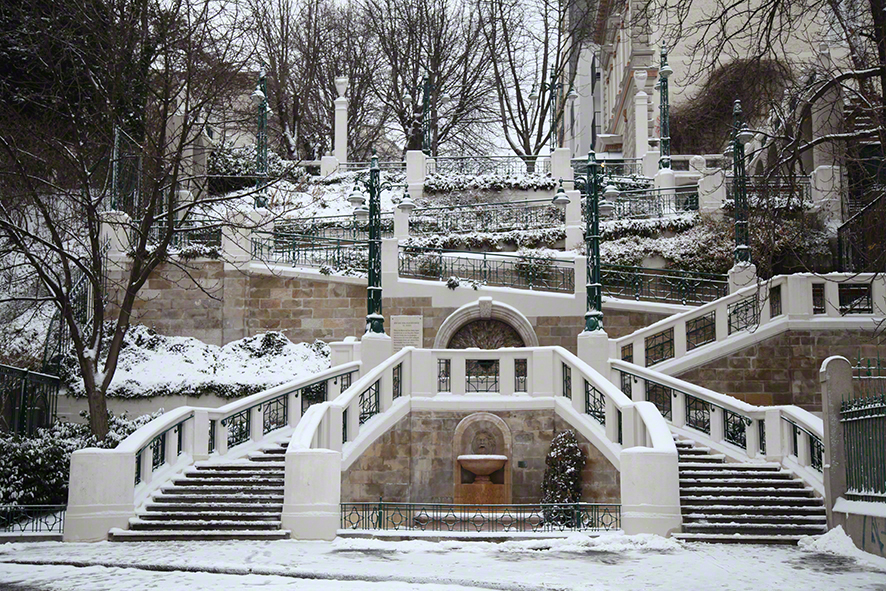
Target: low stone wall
{"x":412,"y":463}
{"x":218,"y":305}
{"x":783,"y":369}
{"x":69,"y":407}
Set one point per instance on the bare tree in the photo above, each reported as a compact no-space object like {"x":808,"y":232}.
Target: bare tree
{"x":530,"y":44}
{"x":153,"y":70}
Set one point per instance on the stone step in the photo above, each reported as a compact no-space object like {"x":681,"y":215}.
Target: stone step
{"x":738,"y":539}
{"x":693,"y":451}
{"x":732,"y":474}
{"x":762,"y":491}
{"x":241,"y":482}
{"x":175,"y":505}
{"x":788,"y":517}
{"x":784,"y":482}
{"x":713,"y":467}
{"x":736,"y":509}
{"x":268,"y":459}
{"x":196,"y":525}
{"x":756,"y":529}
{"x":208,"y":516}
{"x":718,"y":459}
{"x":257,"y":499}
{"x":216,"y":490}
{"x":239,"y":467}
{"x":745,"y":500}
{"x":174,"y":535}
{"x":274,"y":451}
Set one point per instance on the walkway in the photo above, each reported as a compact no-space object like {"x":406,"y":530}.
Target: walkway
{"x":577,"y":563}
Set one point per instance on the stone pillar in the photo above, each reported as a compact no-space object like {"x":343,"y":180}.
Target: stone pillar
{"x":827,"y":115}
{"x":593,"y":349}
{"x":666,"y":180}
{"x":742,"y":275}
{"x":328,"y":165}
{"x":401,"y":224}
{"x":416,"y":173}
{"x":97,"y":502}
{"x":644,"y":508}
{"x":344,"y":351}
{"x":375,"y":349}
{"x":312,"y":493}
{"x":114,"y":231}
{"x":341,"y":119}
{"x":711,"y":191}
{"x":835,"y":377}
{"x":390,"y":265}
{"x":650,"y":162}
{"x":574,"y":226}
{"x":561,"y":165}
{"x":641,"y":115}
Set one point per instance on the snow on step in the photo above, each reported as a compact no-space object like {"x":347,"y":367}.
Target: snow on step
{"x":743,"y":503}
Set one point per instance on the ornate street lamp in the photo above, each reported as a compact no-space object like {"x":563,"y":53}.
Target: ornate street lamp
{"x":594,"y":209}
{"x":740,"y":136}
{"x":554,"y":87}
{"x":664,"y":72}
{"x":375,"y":322}
{"x":426,"y":90}
{"x":260,"y":99}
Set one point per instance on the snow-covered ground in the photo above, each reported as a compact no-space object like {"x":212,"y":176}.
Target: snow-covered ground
{"x":579,"y":562}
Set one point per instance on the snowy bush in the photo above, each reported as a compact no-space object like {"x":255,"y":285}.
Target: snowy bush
{"x":231,"y":168}
{"x":562,"y":478}
{"x":534,"y":265}
{"x":447,"y":183}
{"x":34,"y":470}
{"x":155,"y":365}
{"x":453,"y":283}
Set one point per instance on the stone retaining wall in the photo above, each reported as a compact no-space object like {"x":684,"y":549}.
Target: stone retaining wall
{"x":412,"y":463}
{"x":783,"y":369}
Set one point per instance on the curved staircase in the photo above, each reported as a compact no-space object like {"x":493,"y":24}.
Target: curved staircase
{"x":232,"y":501}
{"x":743,"y":503}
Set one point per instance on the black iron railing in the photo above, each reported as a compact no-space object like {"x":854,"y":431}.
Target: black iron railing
{"x":655,"y":203}
{"x":781,"y":191}
{"x":491,"y":165}
{"x":816,"y":447}
{"x":524,"y":272}
{"x":622,"y":168}
{"x":863,"y":417}
{"x":861,"y":239}
{"x":301,"y":250}
{"x":486,"y":217}
{"x":662,"y":285}
{"x":333,"y":227}
{"x":184,"y":236}
{"x":156,"y":447}
{"x":28,"y":400}
{"x":480,"y":518}
{"x":32,"y":518}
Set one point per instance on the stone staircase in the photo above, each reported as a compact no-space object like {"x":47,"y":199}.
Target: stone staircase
{"x":743,"y":503}
{"x":234,"y":501}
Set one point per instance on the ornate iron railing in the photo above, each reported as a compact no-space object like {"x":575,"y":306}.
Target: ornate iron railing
{"x":333,"y":227}
{"x":626,"y":167}
{"x":184,"y":236}
{"x":482,"y":375}
{"x":301,"y":250}
{"x":781,"y":188}
{"x":480,"y":518}
{"x":239,"y":427}
{"x":863,"y":418}
{"x":698,"y":414}
{"x":497,"y":165}
{"x":370,"y":403}
{"x":816,"y":447}
{"x":389,"y":165}
{"x":28,"y":400}
{"x":156,"y":447}
{"x":524,"y":272}
{"x":743,"y":314}
{"x":861,"y":239}
{"x":32,"y":518}
{"x":735,"y":432}
{"x":595,"y":404}
{"x":486,"y":217}
{"x":655,"y":203}
{"x":662,"y":285}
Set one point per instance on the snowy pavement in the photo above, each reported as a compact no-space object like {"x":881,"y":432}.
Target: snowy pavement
{"x":612,"y":561}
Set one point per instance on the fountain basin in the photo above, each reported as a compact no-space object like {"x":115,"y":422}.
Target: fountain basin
{"x":482,"y":465}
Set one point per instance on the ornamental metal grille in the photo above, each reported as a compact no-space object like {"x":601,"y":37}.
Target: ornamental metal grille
{"x":520,"y":375}
{"x":211,"y":436}
{"x":701,"y":330}
{"x":595,"y":405}
{"x":480,"y":518}
{"x":444,"y":374}
{"x":734,"y":428}
{"x":344,"y":426}
{"x":316,"y":393}
{"x":818,"y":304}
{"x":626,"y":381}
{"x":481,"y":375}
{"x":761,"y":428}
{"x":653,"y":203}
{"x":30,"y":399}
{"x":491,"y":165}
{"x":816,"y":451}
{"x":662,"y":285}
{"x":179,"y":439}
{"x":276,"y":413}
{"x":397,"y":383}
{"x":567,"y":382}
{"x":158,"y":451}
{"x":32,"y":518}
{"x":855,"y":298}
{"x":238,"y":428}
{"x":660,"y":396}
{"x":369,"y":402}
{"x":486,"y":217}
{"x":698,"y":414}
{"x":775,"y":301}
{"x":300,"y":250}
{"x":627,"y":353}
{"x":345,"y":381}
{"x":659,"y":347}
{"x":864,"y":436}
{"x":620,"y":422}
{"x":332,"y":227}
{"x":138,"y":467}
{"x":743,"y":314}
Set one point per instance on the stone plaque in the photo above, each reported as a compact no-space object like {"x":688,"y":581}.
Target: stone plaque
{"x":407,"y":331}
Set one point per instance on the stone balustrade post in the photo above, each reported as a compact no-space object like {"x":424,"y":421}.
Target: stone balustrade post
{"x":328,"y":165}
{"x":341,"y":119}
{"x":97,"y":503}
{"x":416,"y":173}
{"x":835,"y":378}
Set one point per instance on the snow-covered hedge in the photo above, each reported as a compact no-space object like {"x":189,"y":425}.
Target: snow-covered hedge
{"x":447,"y":183}
{"x":490,"y":241}
{"x":231,"y":168}
{"x":155,"y":365}
{"x":34,"y":470}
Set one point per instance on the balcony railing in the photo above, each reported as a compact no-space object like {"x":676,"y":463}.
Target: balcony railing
{"x":486,"y":217}
{"x":300,"y":250}
{"x":491,"y":165}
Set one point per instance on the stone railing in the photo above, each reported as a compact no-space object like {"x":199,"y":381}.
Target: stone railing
{"x":754,"y":313}
{"x":156,"y":452}
{"x":333,"y":435}
{"x":743,"y":432}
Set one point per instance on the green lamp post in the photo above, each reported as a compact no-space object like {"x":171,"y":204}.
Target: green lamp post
{"x":740,"y":136}
{"x":260,"y":99}
{"x":664,"y":72}
{"x":554,"y":87}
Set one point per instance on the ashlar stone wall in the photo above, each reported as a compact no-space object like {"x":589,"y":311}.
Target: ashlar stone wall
{"x":413,"y":462}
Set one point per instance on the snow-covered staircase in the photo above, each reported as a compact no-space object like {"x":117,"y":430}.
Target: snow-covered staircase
{"x":743,"y":503}
{"x":233,"y":501}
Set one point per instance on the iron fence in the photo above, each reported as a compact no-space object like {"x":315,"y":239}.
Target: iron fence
{"x":28,"y":400}
{"x":497,"y":165}
{"x":523,"y":272}
{"x":334,"y":227}
{"x":816,"y":447}
{"x":388,"y":165}
{"x":784,"y":190}
{"x":440,"y":517}
{"x":864,"y":432}
{"x":662,"y":285}
{"x":861,"y":239}
{"x":300,"y":250}
{"x":184,"y":236}
{"x":32,"y":518}
{"x":486,"y":217}
{"x":655,"y":203}
{"x":626,"y":167}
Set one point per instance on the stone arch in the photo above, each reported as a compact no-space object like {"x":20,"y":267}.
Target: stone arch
{"x":485,"y":309}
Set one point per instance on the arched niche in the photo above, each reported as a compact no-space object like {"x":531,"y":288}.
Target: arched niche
{"x":486,"y":309}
